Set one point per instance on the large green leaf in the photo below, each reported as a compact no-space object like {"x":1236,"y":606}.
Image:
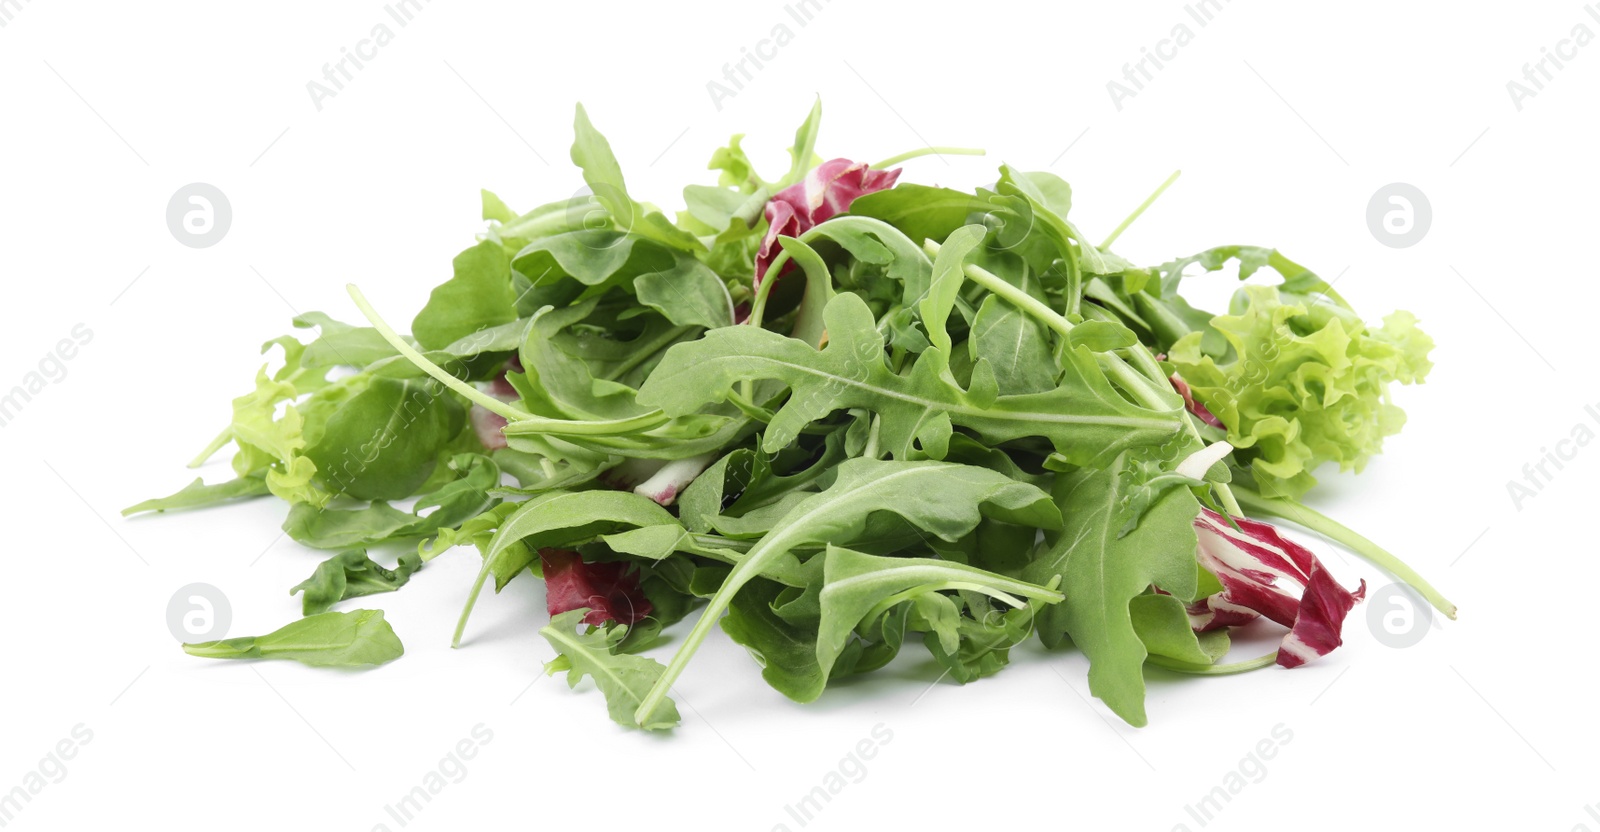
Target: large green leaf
{"x":477,"y":297}
{"x":1101,"y":572}
{"x":385,"y":441}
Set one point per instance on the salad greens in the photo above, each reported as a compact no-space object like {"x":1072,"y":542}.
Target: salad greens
{"x":832,"y":413}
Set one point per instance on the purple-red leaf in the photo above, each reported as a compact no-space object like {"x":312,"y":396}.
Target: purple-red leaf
{"x":1192,"y":404}
{"x":609,"y":590}
{"x":489,"y":425}
{"x":1264,"y":574}
{"x":827,"y":191}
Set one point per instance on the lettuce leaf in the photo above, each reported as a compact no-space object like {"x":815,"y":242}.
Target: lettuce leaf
{"x":1304,"y":382}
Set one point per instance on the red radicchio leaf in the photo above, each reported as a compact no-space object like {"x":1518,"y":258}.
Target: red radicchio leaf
{"x":610,"y":590}
{"x":827,"y":191}
{"x":488,"y":424}
{"x":1255,"y":565}
{"x":1194,"y":406}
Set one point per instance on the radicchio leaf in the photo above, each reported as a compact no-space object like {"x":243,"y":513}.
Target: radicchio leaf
{"x":610,"y":591}
{"x":1264,"y":574}
{"x":1193,"y":406}
{"x":827,"y":191}
{"x":490,"y":425}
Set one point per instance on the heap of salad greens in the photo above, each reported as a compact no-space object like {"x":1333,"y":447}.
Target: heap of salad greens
{"x":835,"y":414}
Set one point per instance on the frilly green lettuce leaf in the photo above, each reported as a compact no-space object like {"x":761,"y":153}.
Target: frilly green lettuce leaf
{"x":1304,"y":383}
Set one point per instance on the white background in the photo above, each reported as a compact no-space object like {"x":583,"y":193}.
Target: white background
{"x":1285,"y":119}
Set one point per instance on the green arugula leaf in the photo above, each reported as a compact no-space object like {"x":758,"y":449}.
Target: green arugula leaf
{"x":941,"y":499}
{"x":479,"y":296}
{"x":921,"y":212}
{"x":461,"y":498}
{"x":1085,"y":419}
{"x":592,"y":153}
{"x":350,"y":575}
{"x":624,"y":679}
{"x":197,"y":494}
{"x":332,"y":639}
{"x":1164,"y":628}
{"x":1102,"y":572}
{"x":384,"y":441}
{"x":857,"y":587}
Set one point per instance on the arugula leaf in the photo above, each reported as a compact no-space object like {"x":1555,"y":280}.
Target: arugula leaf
{"x":1102,"y":572}
{"x":1085,"y":419}
{"x":942,"y":499}
{"x":198,"y":493}
{"x":802,"y":154}
{"x":1164,"y":628}
{"x":350,"y":575}
{"x":452,"y":503}
{"x":592,"y":153}
{"x":921,"y":212}
{"x":565,"y":519}
{"x":384,"y":441}
{"x":332,"y":639}
{"x":624,"y":679}
{"x":858,"y":586}
{"x":479,"y":296}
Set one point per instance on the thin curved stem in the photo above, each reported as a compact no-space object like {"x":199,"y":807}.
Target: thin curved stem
{"x":1148,"y":396}
{"x":929,"y":151}
{"x":472,"y":601}
{"x":1300,"y":514}
{"x":1212,"y":669}
{"x":647,"y":351}
{"x":584,"y":427}
{"x":472,"y":394}
{"x":1148,"y":201}
{"x":222,"y":439}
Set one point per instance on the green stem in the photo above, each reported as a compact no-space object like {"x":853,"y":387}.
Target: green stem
{"x":715,"y":541}
{"x":472,"y":601}
{"x":995,"y":284}
{"x":1148,"y":201}
{"x":223,"y":438}
{"x":585,"y":427}
{"x":1212,"y":669}
{"x":538,"y":224}
{"x":1300,"y":514}
{"x":473,"y":394}
{"x":1146,"y":395}
{"x":929,"y":151}
{"x":647,"y":351}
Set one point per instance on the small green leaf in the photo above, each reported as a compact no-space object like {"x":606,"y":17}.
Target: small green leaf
{"x":197,"y":494}
{"x":624,"y":679}
{"x":477,"y":297}
{"x":350,"y":575}
{"x":332,"y":639}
